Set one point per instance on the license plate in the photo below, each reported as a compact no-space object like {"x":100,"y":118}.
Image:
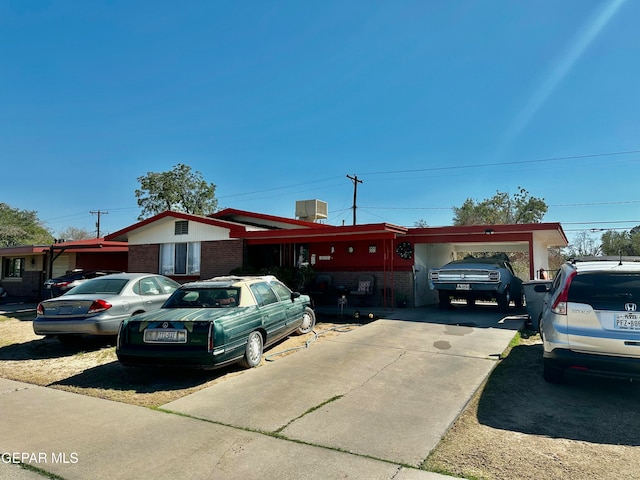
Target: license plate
{"x":628,"y":321}
{"x":463,"y":286}
{"x":165,"y":336}
{"x":65,"y":310}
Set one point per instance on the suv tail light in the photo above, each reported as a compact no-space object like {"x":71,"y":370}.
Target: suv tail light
{"x":99,"y":306}
{"x":560,"y":305}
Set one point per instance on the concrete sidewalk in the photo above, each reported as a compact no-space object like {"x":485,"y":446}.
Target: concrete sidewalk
{"x":371,"y":403}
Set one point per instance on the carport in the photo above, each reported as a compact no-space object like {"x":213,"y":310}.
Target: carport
{"x":436,"y":246}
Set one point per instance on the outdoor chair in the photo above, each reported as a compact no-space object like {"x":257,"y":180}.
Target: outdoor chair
{"x":365,"y":288}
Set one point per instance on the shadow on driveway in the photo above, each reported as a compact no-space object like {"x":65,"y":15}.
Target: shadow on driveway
{"x":114,"y":376}
{"x":589,"y":409}
{"x":47,"y":348}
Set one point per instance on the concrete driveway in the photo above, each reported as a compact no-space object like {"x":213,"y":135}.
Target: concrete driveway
{"x":371,"y":403}
{"x":387,"y":390}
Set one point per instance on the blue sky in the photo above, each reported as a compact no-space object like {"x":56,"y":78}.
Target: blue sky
{"x":428,"y":102}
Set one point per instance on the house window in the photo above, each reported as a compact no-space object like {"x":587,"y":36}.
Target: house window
{"x":182,"y":227}
{"x":13,"y":268}
{"x":180,"y":258}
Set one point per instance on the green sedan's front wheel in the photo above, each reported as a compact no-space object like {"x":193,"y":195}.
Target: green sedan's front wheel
{"x":308,"y":321}
{"x":253,"y":351}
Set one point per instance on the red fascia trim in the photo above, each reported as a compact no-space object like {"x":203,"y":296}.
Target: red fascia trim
{"x":302,"y":238}
{"x":462,"y":238}
{"x":23,"y":250}
{"x":332,"y":233}
{"x":91,"y":245}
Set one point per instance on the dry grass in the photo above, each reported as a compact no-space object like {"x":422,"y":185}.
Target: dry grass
{"x":520,"y":427}
{"x":92,"y":368}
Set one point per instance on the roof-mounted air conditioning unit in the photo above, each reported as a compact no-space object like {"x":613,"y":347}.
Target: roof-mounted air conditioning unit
{"x":311,"y":210}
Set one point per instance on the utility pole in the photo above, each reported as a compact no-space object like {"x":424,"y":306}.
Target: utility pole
{"x":355,"y":181}
{"x":99,"y":213}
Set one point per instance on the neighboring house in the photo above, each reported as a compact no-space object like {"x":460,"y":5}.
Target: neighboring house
{"x":370,"y":263}
{"x":26,"y":268}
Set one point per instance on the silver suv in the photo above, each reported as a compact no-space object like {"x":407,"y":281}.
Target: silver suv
{"x":590,"y":320}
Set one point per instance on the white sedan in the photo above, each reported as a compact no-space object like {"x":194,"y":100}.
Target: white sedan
{"x":99,"y":305}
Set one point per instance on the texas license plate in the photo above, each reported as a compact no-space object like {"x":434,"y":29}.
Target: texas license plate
{"x":628,"y":321}
{"x":165,"y":336}
{"x":463,"y":286}
{"x":65,"y":310}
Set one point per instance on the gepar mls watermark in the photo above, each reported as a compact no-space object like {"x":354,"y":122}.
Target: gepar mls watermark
{"x":39,"y":457}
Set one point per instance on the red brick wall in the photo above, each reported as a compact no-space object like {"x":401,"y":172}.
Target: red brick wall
{"x":220,"y":257}
{"x":144,"y":258}
{"x":216,"y":258}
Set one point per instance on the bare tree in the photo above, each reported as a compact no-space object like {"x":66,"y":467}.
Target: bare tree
{"x":583,"y":245}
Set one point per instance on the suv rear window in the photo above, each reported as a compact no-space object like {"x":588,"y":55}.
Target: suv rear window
{"x":605,"y":291}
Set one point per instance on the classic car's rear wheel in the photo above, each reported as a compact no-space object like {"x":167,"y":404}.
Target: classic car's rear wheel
{"x":444,"y":300}
{"x":308,"y":321}
{"x":253,"y":351}
{"x":504,"y":299}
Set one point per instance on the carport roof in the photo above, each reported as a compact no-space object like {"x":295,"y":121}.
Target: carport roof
{"x":91,"y":245}
{"x":550,"y":234}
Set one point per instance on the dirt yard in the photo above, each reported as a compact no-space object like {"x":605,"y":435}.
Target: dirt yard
{"x":92,"y":368}
{"x":517,"y":426}
{"x":520,"y":427}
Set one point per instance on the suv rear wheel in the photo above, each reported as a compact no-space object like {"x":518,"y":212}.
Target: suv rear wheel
{"x":551,"y":372}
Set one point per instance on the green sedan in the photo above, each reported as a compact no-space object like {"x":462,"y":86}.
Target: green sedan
{"x":216,"y":322}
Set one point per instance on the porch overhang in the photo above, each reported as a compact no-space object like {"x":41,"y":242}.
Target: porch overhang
{"x":378,"y":231}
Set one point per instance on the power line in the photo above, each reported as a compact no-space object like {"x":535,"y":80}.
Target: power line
{"x":496,"y":164}
{"x":277,"y":188}
{"x":431,"y":169}
{"x":625,"y":202}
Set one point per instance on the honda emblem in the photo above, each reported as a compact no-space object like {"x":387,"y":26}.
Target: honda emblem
{"x":630,"y":307}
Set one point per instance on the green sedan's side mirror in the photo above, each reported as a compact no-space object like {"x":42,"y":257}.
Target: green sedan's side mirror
{"x":294,"y":295}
